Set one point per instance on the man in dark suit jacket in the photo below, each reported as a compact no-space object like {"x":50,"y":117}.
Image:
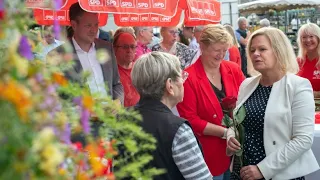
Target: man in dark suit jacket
{"x":85,"y":46}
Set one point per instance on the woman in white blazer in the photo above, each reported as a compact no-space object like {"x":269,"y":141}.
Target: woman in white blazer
{"x":279,"y":122}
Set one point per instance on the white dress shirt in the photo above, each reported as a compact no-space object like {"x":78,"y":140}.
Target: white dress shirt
{"x":90,"y":64}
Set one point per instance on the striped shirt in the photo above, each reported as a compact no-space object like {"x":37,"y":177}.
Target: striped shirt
{"x":187,"y":155}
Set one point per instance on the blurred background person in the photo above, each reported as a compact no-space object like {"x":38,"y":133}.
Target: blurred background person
{"x":177,"y":149}
{"x":170,"y":45}
{"x":50,"y":42}
{"x":309,"y":55}
{"x":233,"y":53}
{"x":197,"y":32}
{"x":264,"y":23}
{"x":188,"y":32}
{"x":279,"y":119}
{"x":242,"y":35}
{"x":103,"y":35}
{"x":125,"y":45}
{"x":210,"y":80}
{"x":144,"y":38}
{"x":295,"y":24}
{"x":182,"y":38}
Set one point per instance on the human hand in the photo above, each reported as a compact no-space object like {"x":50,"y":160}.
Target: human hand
{"x":233,"y":146}
{"x":251,"y":172}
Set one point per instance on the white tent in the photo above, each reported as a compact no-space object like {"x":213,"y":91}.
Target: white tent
{"x":262,"y":5}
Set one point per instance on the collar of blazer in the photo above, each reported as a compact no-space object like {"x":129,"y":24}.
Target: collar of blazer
{"x":228,"y":82}
{"x":226,"y":75}
{"x":247,"y":87}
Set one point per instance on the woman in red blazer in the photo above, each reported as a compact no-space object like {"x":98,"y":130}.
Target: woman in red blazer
{"x":211,"y":79}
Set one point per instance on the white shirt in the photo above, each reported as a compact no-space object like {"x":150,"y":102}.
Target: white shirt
{"x":47,"y":48}
{"x":194,"y":44}
{"x":294,"y":24}
{"x":90,"y":64}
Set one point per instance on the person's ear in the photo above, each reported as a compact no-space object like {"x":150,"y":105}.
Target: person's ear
{"x":73,"y":24}
{"x":169,"y":86}
{"x":203,"y":47}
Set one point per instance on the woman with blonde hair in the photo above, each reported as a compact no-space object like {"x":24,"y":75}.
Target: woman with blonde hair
{"x":210,"y":80}
{"x":309,"y":55}
{"x":233,"y":53}
{"x":279,"y":114}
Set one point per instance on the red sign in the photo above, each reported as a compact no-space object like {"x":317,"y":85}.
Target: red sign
{"x":48,"y":16}
{"x":204,"y":10}
{"x":157,"y":7}
{"x":147,"y":20}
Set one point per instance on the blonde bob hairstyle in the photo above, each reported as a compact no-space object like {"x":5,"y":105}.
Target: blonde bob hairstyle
{"x":308,"y":29}
{"x":151,"y":72}
{"x":212,"y":34}
{"x":281,"y":48}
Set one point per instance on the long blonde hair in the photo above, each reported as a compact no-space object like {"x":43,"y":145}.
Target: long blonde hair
{"x":231,"y":32}
{"x":281,"y":48}
{"x":309,"y":29}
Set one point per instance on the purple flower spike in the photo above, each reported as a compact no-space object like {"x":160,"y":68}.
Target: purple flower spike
{"x":56,"y":26}
{"x":51,"y":89}
{"x":25,"y":48}
{"x":39,"y":77}
{"x":77,"y":101}
{"x":66,"y":134}
{"x":85,"y":115}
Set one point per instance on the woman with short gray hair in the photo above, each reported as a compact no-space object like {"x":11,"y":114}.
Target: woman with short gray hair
{"x":159,"y":79}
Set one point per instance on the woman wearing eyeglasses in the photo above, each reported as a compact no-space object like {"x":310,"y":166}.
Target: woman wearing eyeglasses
{"x":159,"y":80}
{"x":125,"y":45}
{"x":210,"y":80}
{"x":170,"y":45}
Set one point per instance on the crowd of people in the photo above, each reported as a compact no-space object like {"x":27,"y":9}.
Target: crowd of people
{"x":178,"y":86}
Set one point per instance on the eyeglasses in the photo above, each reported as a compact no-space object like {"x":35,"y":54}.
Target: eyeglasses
{"x":172,"y":32}
{"x":126,"y":47}
{"x":184,"y":76}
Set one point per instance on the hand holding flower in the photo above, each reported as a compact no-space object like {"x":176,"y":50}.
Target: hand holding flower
{"x":233,"y":146}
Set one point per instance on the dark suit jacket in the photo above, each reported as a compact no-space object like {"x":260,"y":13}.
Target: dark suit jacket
{"x":109,"y":70}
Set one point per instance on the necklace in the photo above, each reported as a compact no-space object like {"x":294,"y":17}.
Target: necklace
{"x":164,"y":48}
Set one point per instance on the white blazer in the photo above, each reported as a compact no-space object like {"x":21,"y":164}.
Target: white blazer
{"x":288,"y":127}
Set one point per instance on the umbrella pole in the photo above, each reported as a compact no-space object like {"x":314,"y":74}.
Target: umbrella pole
{"x":278,"y":20}
{"x":286,"y":22}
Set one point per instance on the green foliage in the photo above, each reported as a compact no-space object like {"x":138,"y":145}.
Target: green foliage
{"x":34,"y":115}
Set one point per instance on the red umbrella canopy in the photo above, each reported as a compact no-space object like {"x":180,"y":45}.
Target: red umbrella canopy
{"x":44,"y":14}
{"x":147,"y":20}
{"x":138,"y":12}
{"x":139,"y":7}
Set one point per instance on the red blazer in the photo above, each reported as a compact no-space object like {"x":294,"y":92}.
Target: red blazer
{"x":234,"y":55}
{"x":200,"y":106}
